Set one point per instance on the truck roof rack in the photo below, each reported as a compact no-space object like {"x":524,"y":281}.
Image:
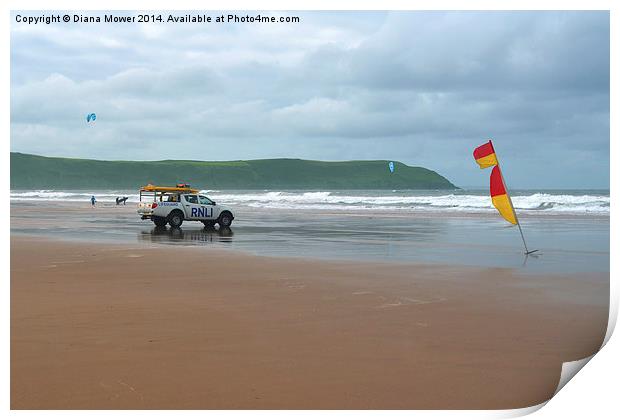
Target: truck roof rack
{"x":158,"y":188}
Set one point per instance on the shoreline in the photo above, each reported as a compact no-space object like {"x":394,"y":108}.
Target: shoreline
{"x":404,"y":212}
{"x":567,"y":244}
{"x":103,"y":326}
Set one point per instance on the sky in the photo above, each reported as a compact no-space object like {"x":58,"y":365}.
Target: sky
{"x":423,"y":88}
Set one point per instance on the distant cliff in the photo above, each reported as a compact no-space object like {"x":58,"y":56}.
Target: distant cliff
{"x":39,"y":172}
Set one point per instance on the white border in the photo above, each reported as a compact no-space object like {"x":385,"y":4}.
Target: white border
{"x":592,"y":394}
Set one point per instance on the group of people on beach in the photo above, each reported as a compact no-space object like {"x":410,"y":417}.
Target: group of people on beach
{"x":119,"y":200}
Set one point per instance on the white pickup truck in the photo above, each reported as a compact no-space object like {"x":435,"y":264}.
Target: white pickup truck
{"x":173,"y":205}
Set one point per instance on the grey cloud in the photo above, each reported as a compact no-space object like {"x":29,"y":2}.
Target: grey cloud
{"x":420,"y":87}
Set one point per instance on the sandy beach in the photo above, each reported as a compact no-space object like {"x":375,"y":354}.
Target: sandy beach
{"x":138,"y":326}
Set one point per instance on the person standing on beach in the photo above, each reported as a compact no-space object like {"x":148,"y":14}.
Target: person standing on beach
{"x":93,"y":200}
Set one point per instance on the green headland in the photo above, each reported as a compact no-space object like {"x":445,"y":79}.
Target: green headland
{"x":40,"y":172}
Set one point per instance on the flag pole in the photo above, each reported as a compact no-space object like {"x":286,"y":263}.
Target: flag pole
{"x":501,"y":174}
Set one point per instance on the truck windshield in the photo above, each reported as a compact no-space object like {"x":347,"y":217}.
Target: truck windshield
{"x":205,"y":200}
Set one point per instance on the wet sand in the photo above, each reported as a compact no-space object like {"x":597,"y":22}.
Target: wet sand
{"x":568,"y":244}
{"x":102,"y":326}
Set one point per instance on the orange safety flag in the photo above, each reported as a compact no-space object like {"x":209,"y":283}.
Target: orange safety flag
{"x":485,"y":155}
{"x":500,"y":198}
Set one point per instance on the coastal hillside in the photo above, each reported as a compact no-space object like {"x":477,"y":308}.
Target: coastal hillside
{"x":40,"y":172}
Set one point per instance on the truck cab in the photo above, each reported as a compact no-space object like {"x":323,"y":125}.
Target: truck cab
{"x":173,"y":205}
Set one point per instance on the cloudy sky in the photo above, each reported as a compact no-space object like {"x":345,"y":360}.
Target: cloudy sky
{"x":423,"y":88}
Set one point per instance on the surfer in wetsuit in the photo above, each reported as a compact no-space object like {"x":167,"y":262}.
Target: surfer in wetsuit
{"x":92,"y":201}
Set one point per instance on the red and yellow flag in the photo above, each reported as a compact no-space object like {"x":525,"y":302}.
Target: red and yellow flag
{"x":500,"y":198}
{"x":485,"y":155}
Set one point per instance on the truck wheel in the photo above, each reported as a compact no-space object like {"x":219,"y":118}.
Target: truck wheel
{"x":159,"y":221}
{"x":225,"y":219}
{"x":175,"y":219}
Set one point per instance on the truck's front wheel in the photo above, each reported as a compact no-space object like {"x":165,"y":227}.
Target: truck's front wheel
{"x":225,"y":219}
{"x":175,"y":219}
{"x":159,"y":221}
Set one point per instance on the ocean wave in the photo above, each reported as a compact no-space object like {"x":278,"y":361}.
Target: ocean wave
{"x":536,"y":202}
{"x":455,"y":202}
{"x":52,"y":195}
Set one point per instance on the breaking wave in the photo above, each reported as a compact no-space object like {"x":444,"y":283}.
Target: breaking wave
{"x":562,"y":203}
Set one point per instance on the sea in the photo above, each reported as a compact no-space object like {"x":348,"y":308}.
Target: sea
{"x":559,"y":202}
{"x":569,"y":228}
